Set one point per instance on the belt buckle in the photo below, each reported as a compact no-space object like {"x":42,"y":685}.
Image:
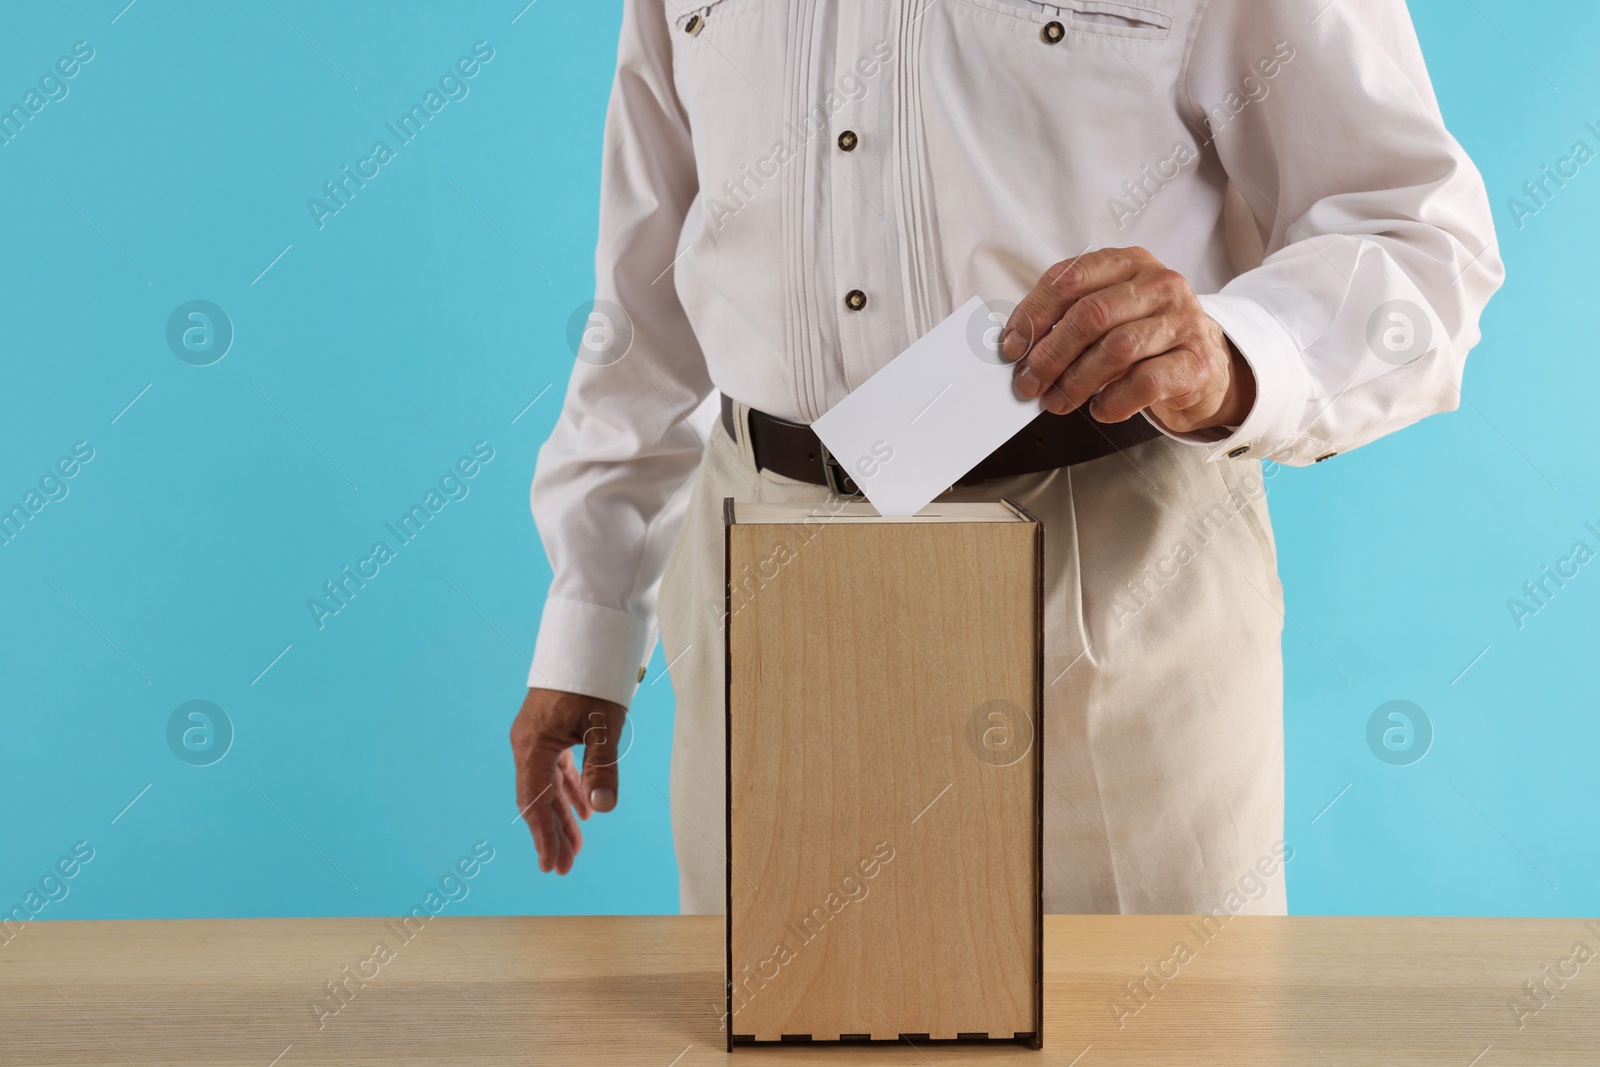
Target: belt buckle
{"x":833,"y":471}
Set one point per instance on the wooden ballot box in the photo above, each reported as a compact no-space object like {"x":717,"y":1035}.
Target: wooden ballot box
{"x":884,"y":773}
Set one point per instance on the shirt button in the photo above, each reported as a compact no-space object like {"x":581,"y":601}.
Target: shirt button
{"x":692,"y":27}
{"x":1053,"y":32}
{"x":1325,"y":455}
{"x":848,"y":140}
{"x":855,"y":300}
{"x":1237,"y":452}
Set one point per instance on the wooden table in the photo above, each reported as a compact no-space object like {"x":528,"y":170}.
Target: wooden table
{"x":648,"y":990}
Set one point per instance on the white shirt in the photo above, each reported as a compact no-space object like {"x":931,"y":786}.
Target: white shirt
{"x":1287,"y":156}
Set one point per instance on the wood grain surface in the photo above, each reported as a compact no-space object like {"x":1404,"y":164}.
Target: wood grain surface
{"x":885,"y":875}
{"x":509,"y":992}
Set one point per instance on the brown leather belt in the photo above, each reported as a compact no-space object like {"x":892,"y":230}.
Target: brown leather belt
{"x":792,"y":449}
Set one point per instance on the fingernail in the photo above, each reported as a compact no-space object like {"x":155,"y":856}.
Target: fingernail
{"x":1028,"y":383}
{"x":1012,"y":345}
{"x":602,"y":799}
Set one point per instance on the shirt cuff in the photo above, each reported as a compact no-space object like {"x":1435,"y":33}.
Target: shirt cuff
{"x":1282,"y":383}
{"x":589,"y":649}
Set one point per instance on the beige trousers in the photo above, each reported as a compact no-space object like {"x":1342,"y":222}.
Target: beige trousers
{"x":1163,"y":728}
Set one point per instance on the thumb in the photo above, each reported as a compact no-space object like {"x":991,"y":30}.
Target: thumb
{"x":602,"y":741}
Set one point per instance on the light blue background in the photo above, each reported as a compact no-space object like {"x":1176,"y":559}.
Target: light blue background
{"x":429,"y":313}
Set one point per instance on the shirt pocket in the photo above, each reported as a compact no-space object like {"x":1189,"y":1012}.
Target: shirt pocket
{"x":723,"y":51}
{"x":730,"y":65}
{"x":1084,"y":18}
{"x":1035,"y":119}
{"x":696,"y":19}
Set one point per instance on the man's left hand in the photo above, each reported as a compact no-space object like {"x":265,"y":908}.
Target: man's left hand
{"x":1117,"y":329}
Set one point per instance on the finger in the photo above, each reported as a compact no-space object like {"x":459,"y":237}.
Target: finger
{"x":536,"y":778}
{"x":1089,"y":320}
{"x":578,"y":795}
{"x":1062,"y":284}
{"x":571,"y":834}
{"x":1170,"y":377}
{"x":549,"y":811}
{"x":561,"y":861}
{"x":602,"y":739}
{"x":1111,"y":357}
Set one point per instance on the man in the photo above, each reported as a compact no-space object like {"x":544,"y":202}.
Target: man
{"x":1237,"y":231}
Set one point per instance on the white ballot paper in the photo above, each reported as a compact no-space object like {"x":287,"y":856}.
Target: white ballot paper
{"x":932,"y":414}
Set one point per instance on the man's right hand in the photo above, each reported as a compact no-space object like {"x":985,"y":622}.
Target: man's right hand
{"x":549,"y":787}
